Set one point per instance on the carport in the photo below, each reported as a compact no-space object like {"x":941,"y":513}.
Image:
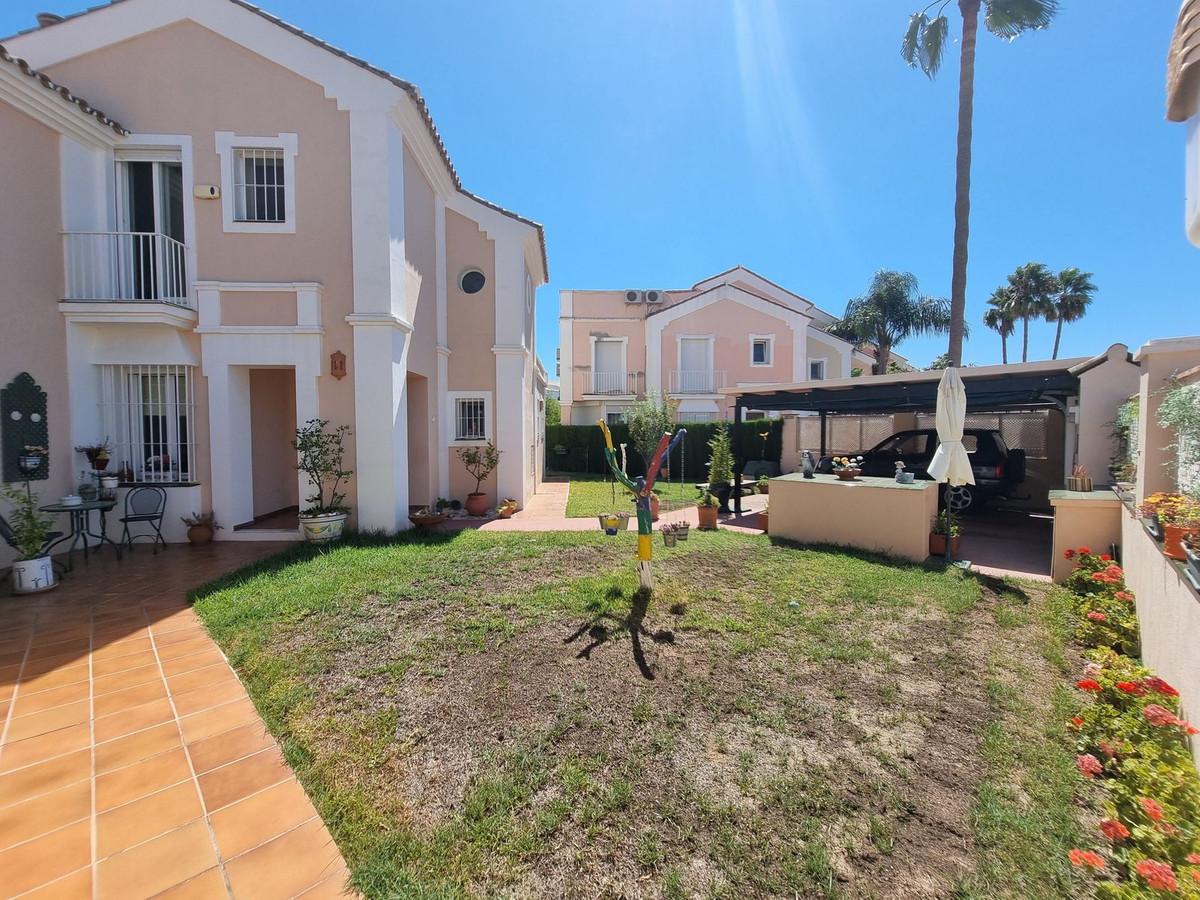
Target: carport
{"x":1065,"y":407}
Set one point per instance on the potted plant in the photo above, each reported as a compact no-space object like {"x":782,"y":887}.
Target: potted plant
{"x":763,"y":518}
{"x":479,"y":462}
{"x":682,"y":529}
{"x":31,"y":458}
{"x":321,"y":451}
{"x":903,"y":477}
{"x":426,"y":517}
{"x":847,"y":468}
{"x":200,"y":528}
{"x":506,"y":509}
{"x":611,"y":523}
{"x":97,"y":455}
{"x":763,"y":484}
{"x":707,"y":509}
{"x":720,"y":467}
{"x":1177,"y":517}
{"x":1191,"y":549}
{"x":32,"y":570}
{"x":1080,"y":480}
{"x":669,"y":535}
{"x":945,"y":525}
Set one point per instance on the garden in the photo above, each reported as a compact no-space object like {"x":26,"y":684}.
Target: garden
{"x":484,"y":713}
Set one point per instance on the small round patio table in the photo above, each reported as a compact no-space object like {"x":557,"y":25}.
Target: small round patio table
{"x":79,"y":533}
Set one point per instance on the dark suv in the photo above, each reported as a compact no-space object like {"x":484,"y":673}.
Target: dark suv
{"x":998,"y":470}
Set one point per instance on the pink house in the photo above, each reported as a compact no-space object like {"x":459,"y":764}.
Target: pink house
{"x":258,"y":230}
{"x":733,"y":329}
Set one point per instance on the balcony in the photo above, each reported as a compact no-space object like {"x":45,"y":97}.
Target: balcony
{"x":589,"y":383}
{"x":125,"y":267}
{"x":695,"y":381}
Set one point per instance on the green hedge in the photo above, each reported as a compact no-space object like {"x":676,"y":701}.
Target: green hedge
{"x":580,"y":448}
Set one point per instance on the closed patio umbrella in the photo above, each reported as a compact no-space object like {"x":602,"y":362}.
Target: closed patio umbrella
{"x":950,"y":463}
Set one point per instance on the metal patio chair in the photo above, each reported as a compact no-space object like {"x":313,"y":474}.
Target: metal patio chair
{"x":144,"y":505}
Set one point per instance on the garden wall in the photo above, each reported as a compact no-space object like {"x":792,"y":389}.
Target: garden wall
{"x":1168,"y":613}
{"x":580,"y":448}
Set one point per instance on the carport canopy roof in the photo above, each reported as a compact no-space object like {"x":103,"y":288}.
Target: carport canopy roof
{"x":1013,"y":386}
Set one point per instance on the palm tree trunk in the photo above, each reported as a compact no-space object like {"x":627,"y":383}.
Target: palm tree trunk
{"x":883,"y":356}
{"x":962,"y":177}
{"x":1004,"y":348}
{"x":1025,"y":339}
{"x":1057,"y":338}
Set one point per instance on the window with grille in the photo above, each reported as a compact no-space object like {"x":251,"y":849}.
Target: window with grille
{"x":470,"y":418}
{"x":258,"y":185}
{"x":147,"y":413}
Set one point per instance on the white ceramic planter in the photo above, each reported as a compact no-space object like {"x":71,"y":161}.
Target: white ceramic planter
{"x":319,"y":529}
{"x":33,"y":575}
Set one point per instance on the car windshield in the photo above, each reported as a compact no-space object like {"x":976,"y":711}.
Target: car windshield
{"x":909,"y":443}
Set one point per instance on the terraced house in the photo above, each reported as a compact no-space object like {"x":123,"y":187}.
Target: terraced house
{"x":259,"y":229}
{"x":732,"y":329}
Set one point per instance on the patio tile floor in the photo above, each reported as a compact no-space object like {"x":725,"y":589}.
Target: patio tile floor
{"x":132,"y":762}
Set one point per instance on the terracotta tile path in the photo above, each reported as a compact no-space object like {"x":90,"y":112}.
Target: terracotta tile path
{"x":132,"y":763}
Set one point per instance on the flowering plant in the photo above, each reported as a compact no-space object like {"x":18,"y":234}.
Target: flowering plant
{"x":847,"y":462}
{"x":1172,"y":509}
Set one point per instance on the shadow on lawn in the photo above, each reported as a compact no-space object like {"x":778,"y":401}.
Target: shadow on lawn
{"x":606,"y":626}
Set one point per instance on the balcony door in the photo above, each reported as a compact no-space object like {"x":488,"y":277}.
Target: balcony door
{"x":695,"y":365}
{"x":608,"y":367}
{"x":150,"y":245}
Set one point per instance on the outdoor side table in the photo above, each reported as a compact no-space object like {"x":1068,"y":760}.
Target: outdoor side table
{"x":79,"y":532}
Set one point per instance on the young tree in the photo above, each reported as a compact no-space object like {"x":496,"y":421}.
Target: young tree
{"x":892,"y":310}
{"x":999,"y":318}
{"x":1071,"y":301}
{"x":923,"y":45}
{"x":647,"y":420}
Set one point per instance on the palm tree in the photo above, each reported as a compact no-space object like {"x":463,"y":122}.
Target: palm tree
{"x":1070,"y":303}
{"x":891,"y":310}
{"x":924,"y":42}
{"x":1031,"y":289}
{"x":1000,"y":318}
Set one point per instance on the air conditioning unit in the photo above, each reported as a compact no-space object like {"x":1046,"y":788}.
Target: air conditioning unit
{"x":655,"y":296}
{"x":635,"y":296}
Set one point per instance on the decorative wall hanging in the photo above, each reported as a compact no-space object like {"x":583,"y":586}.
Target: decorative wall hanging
{"x":24,"y":435}
{"x":337,"y":364}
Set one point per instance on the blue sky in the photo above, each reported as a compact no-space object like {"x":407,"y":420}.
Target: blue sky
{"x":662,"y":142}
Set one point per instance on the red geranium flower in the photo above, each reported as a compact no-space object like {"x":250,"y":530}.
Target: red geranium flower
{"x":1160,"y":717}
{"x":1068,"y":553}
{"x":1152,"y":809}
{"x":1076,"y":722}
{"x":1124,"y":595}
{"x":1156,"y":684}
{"x":1089,"y":684}
{"x":1114,"y":830}
{"x":1089,"y":858}
{"x":1131,"y":687}
{"x":1088,"y":765}
{"x":1158,"y":875}
{"x":1097,"y":616}
{"x":1104,"y":557}
{"x":1084,"y":551}
{"x":1108,"y":749}
{"x":1194,"y":858}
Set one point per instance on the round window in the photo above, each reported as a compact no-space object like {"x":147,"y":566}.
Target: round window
{"x":472,"y":281}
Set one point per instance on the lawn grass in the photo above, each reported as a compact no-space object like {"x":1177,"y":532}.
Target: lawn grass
{"x":594,"y":495}
{"x":485,"y":714}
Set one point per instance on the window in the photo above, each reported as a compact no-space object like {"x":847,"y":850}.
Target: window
{"x":258,"y":185}
{"x":470,"y":416}
{"x":147,"y":410}
{"x":762,"y":350}
{"x":258,"y":182}
{"x":472,"y":281}
{"x":816,"y":370}
{"x":615,"y":418}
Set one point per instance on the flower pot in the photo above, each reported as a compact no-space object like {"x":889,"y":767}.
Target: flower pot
{"x":1173,"y":542}
{"x":427,"y":521}
{"x":29,"y":576}
{"x":477,"y":504}
{"x":847,"y":474}
{"x":669,"y":538}
{"x":1154,"y":527}
{"x":29,"y":463}
{"x":654,"y":507}
{"x":682,"y":529}
{"x":722,"y":493}
{"x":198,"y":535}
{"x":905,"y":477}
{"x":326,"y":527}
{"x":762,"y":520}
{"x":764,"y":488}
{"x":611,"y":523}
{"x":1082,"y":484}
{"x":937,"y":545}
{"x":505,"y":512}
{"x":708,"y":518}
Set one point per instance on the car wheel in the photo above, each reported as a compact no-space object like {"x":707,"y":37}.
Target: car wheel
{"x":960,"y":498}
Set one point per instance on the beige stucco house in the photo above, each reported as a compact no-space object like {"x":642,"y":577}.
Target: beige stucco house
{"x":733,"y":329}
{"x":259,"y":230}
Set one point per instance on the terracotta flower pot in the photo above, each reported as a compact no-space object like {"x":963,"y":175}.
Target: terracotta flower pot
{"x":1173,"y":541}
{"x":762,"y":520}
{"x":937,"y":545}
{"x":847,"y":474}
{"x":477,"y":504}
{"x":654,"y":507}
{"x":427,"y":521}
{"x":708,"y":518}
{"x":198,"y":535}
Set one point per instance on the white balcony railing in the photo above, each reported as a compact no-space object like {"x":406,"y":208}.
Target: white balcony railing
{"x":695,"y":381}
{"x":125,"y":266}
{"x":589,"y":381}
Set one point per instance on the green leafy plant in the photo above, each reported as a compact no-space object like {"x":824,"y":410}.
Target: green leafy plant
{"x":708,"y":500}
{"x":720,"y":462}
{"x":946,"y":523}
{"x":1179,"y":410}
{"x":206,"y":518}
{"x":480,"y":462}
{"x":321,"y":453}
{"x":648,"y":419}
{"x":30,"y":526}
